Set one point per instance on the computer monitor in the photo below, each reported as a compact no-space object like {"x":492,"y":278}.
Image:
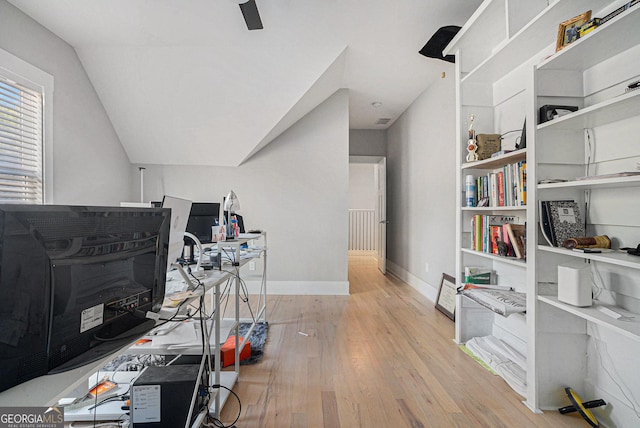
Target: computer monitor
{"x":180,"y":209}
{"x":76,"y":283}
{"x":203,"y":215}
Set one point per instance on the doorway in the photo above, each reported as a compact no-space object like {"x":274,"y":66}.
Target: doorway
{"x":367,"y":208}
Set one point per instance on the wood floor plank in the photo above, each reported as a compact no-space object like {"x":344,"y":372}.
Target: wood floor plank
{"x":382,"y":356}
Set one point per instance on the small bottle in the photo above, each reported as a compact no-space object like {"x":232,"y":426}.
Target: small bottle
{"x":470,"y":189}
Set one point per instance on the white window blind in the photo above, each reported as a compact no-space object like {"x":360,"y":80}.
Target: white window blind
{"x":21,"y":143}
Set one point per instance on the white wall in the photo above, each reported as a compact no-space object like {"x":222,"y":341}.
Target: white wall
{"x":89,"y":166}
{"x":421,"y":188}
{"x":362,"y":186}
{"x":296,"y":189}
{"x":367,"y":142}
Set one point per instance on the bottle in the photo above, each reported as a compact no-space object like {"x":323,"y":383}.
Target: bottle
{"x":470,"y":189}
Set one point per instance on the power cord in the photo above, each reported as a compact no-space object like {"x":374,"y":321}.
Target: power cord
{"x":621,"y":386}
{"x":212,"y":422}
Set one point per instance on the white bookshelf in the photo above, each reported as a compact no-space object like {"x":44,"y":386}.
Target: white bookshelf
{"x":507,"y":67}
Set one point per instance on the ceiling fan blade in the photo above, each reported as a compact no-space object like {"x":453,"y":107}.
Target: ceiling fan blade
{"x":251,"y":15}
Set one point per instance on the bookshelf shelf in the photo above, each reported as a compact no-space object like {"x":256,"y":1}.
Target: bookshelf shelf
{"x":498,"y":161}
{"x":602,"y":43}
{"x":616,"y":257}
{"x":609,"y":111}
{"x":492,"y":209}
{"x":508,"y":260}
{"x":629,"y":329}
{"x":531,"y":38}
{"x":594,"y":183}
{"x":474,"y":37}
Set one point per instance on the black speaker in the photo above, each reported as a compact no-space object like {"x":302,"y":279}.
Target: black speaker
{"x":440,"y":40}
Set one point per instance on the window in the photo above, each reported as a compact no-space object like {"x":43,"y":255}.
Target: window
{"x":25,"y":132}
{"x":20,"y":143}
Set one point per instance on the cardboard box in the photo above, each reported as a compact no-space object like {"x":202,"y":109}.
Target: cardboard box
{"x":487,"y":145}
{"x":228,"y":351}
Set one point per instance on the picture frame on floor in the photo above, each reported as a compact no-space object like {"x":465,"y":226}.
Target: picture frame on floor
{"x":446,"y":300}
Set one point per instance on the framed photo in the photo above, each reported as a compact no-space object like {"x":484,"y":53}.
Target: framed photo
{"x":568,"y":31}
{"x":446,"y":301}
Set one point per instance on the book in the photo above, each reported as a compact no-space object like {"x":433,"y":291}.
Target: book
{"x":545,"y":224}
{"x":505,"y":238}
{"x":478,"y":233}
{"x":496,"y":237}
{"x":500,"y":177}
{"x":523,"y":183}
{"x":517,"y":236}
{"x":477,"y":275}
{"x":566,"y":221}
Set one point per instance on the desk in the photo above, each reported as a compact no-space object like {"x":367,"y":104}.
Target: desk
{"x":48,"y":390}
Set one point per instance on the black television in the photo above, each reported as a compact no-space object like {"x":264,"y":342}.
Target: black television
{"x":76,"y":284}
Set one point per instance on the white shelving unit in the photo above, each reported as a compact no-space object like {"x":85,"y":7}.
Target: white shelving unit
{"x":507,"y":68}
{"x":595,"y":141}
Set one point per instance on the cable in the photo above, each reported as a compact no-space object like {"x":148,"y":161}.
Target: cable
{"x":217,"y":423}
{"x":116,"y":424}
{"x":631,"y":399}
{"x":590,"y":150}
{"x":596,"y":288}
{"x":509,"y":132}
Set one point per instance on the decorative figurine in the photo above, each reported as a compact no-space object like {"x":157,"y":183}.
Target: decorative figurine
{"x":472,"y":147}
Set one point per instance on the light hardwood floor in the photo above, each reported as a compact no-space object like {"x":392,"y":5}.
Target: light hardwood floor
{"x":381,"y":357}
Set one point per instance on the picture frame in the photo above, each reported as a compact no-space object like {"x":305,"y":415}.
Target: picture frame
{"x":446,"y":300}
{"x":568,"y":31}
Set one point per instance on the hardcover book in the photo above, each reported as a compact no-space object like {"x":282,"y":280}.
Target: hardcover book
{"x":566,"y":221}
{"x":517,"y":238}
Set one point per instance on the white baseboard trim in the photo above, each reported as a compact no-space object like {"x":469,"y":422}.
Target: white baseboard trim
{"x":304,"y":288}
{"x":424,"y":288}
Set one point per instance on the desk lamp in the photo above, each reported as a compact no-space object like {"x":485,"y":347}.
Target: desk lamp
{"x":231,"y":206}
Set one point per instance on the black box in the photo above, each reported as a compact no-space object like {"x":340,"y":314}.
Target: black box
{"x":161,"y":396}
{"x":549,"y":111}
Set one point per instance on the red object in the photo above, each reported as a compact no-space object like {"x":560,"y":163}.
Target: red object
{"x":228,"y":351}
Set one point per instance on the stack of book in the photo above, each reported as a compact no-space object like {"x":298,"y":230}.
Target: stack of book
{"x":498,"y":234}
{"x":504,"y":187}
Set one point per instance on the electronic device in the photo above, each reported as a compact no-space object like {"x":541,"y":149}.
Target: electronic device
{"x":634,"y":251}
{"x":76,"y":283}
{"x":574,"y":285}
{"x":163,"y":397}
{"x":202,"y":216}
{"x":549,"y":112}
{"x":180,"y":209}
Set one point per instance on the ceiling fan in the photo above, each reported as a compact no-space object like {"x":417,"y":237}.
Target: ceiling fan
{"x":250,"y":12}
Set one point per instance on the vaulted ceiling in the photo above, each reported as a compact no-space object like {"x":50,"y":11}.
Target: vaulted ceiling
{"x":184,"y":82}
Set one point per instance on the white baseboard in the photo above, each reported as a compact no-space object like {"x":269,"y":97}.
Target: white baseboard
{"x":305,"y":288}
{"x":424,"y":288}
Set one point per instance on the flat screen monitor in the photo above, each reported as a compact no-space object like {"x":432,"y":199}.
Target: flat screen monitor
{"x":180,"y":209}
{"x":203,"y":215}
{"x":76,"y":283}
